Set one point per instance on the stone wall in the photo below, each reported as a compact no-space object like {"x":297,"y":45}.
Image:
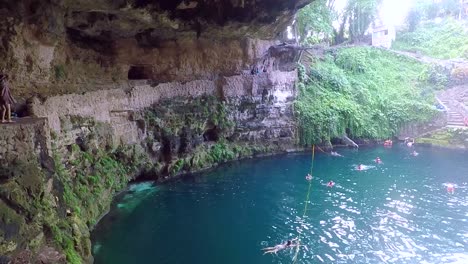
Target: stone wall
{"x":260,"y":105}
{"x":414,"y":130}
{"x":24,"y":139}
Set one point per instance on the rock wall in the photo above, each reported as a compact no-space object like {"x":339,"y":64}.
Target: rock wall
{"x":120,"y":89}
{"x":61,"y":47}
{"x":268,"y":96}
{"x":27,"y":138}
{"x":85,"y":147}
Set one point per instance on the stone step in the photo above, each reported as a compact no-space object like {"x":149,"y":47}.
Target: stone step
{"x":455,"y":124}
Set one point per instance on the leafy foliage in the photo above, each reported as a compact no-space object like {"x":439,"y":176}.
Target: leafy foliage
{"x":362,"y":91}
{"x":361,"y":13}
{"x":315,"y":22}
{"x":89,"y":181}
{"x":445,"y":40}
{"x":430,"y":9}
{"x":413,"y":19}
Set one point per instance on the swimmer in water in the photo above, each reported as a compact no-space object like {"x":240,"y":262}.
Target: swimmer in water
{"x":330,"y":184}
{"x":309,"y":177}
{"x":359,"y":167}
{"x":414,"y":153}
{"x":336,"y":154}
{"x":275,"y":249}
{"x":450,"y":188}
{"x":409,"y":142}
{"x":378,"y":160}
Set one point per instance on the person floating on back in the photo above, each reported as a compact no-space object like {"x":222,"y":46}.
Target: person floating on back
{"x":275,"y":249}
{"x":6,"y":100}
{"x":335,"y":154}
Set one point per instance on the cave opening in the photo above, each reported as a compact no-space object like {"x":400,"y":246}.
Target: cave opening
{"x":140,"y":72}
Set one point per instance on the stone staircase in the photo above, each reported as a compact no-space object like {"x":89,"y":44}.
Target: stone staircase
{"x":454,"y":117}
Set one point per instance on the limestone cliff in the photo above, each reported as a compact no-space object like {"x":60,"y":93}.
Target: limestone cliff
{"x":114,"y":90}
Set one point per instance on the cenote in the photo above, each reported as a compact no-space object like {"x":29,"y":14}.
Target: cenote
{"x":395,"y":212}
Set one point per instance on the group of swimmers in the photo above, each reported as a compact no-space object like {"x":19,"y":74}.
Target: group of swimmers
{"x":330,"y":184}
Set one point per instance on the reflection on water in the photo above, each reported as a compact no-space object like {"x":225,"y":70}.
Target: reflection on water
{"x":395,"y":212}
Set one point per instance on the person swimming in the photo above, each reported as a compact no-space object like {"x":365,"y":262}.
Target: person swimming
{"x":450,"y":188}
{"x":330,"y":184}
{"x":309,"y":177}
{"x":414,"y":153}
{"x":336,"y":154}
{"x":275,"y":249}
{"x":359,"y":167}
{"x":409,"y":142}
{"x":378,"y":160}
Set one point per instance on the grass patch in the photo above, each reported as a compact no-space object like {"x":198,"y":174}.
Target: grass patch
{"x":445,"y":40}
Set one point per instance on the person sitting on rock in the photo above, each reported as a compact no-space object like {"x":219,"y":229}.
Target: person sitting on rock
{"x":6,"y":100}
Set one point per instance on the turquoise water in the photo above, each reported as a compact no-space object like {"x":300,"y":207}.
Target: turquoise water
{"x":395,"y":212}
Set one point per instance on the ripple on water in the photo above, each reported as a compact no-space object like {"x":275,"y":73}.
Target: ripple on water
{"x":396,"y":212}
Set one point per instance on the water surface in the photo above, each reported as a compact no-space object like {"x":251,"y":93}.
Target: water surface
{"x":395,"y":212}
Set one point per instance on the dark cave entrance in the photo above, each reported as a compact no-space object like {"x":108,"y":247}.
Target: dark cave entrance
{"x":140,"y":72}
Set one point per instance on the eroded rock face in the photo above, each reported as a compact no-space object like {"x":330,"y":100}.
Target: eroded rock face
{"x":57,"y":47}
{"x":126,"y":88}
{"x":170,"y":19}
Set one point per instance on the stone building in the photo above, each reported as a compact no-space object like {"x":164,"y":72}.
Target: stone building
{"x":383,"y":35}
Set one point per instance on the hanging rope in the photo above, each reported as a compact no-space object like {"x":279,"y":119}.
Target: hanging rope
{"x":306,"y":204}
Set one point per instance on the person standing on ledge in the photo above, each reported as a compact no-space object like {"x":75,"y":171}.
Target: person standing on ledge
{"x":6,"y":100}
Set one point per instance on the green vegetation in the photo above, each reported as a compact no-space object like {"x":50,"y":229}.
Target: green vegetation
{"x":60,"y":72}
{"x":315,"y":22}
{"x":358,"y":15}
{"x":430,"y":10}
{"x":89,"y":181}
{"x":222,"y":151}
{"x":445,"y":40}
{"x":449,"y":137}
{"x":196,"y":114}
{"x":369,"y":92}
